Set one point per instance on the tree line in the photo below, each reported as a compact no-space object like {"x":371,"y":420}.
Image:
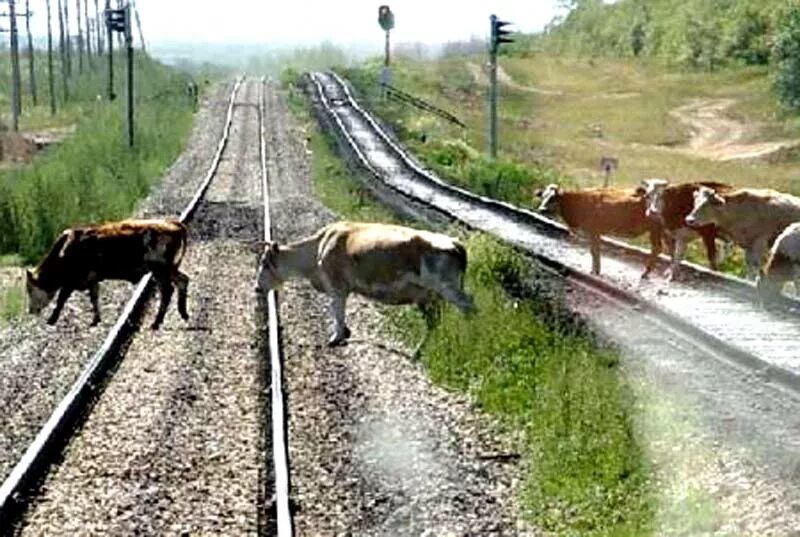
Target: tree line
{"x":696,"y":34}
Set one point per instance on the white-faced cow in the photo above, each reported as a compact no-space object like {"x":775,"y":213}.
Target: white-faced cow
{"x":388,"y":263}
{"x":752,"y":218}
{"x":82,"y":257}
{"x":603,"y":211}
{"x":669,"y":205}
{"x":783,"y":264}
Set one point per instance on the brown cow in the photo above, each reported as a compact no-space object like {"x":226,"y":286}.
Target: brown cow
{"x":752,"y":218}
{"x":82,"y":257}
{"x":604,"y":211}
{"x":388,"y":263}
{"x":669,"y":205}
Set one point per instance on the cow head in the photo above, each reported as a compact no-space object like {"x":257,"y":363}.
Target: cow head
{"x":38,"y":298}
{"x":653,"y":192}
{"x":706,"y":206}
{"x":550,"y":196}
{"x":268,"y":276}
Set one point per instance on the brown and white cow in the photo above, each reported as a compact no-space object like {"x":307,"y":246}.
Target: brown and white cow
{"x":82,"y":257}
{"x":752,"y":218}
{"x":783,"y":264}
{"x":603,"y":211}
{"x":669,"y":205}
{"x":388,"y":263}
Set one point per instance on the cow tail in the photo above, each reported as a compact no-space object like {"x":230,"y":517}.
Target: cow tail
{"x":183,"y":238}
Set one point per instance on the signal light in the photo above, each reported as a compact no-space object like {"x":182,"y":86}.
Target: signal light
{"x":499,"y":35}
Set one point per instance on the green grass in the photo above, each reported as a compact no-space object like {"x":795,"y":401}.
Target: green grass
{"x":584,"y":472}
{"x":93,"y":175}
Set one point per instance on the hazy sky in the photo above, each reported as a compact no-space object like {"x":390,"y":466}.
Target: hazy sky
{"x":312,"y":21}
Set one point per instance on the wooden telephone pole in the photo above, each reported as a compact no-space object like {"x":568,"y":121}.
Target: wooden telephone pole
{"x":51,"y":83}
{"x":16,"y":94}
{"x":31,"y":71}
{"x":80,"y":35}
{"x":62,"y":45}
{"x":99,"y":28}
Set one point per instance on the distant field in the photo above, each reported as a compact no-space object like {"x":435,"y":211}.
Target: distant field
{"x":567,"y":113}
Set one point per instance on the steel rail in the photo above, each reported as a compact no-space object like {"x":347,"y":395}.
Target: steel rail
{"x":713,"y":345}
{"x":280,"y":451}
{"x":56,"y":432}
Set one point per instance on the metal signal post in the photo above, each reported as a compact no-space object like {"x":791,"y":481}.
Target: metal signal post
{"x":119,"y":20}
{"x":498,"y":36}
{"x":386,"y":20}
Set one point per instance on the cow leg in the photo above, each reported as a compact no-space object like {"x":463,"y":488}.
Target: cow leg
{"x":710,"y":242}
{"x":655,"y":251}
{"x":181,"y":281}
{"x":340,"y":330}
{"x":678,"y":252}
{"x":753,"y":255}
{"x":594,"y":248}
{"x":63,"y":295}
{"x":166,"y":289}
{"x":94,"y":294}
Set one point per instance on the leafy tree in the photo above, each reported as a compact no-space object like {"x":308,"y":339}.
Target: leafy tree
{"x":786,"y":55}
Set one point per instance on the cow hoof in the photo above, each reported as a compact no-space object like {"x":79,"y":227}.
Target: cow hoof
{"x":337,"y":341}
{"x":155,"y":326}
{"x":51,"y":321}
{"x":94,"y":322}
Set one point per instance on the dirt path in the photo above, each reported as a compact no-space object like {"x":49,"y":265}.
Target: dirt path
{"x":479,"y":75}
{"x":717,"y":137}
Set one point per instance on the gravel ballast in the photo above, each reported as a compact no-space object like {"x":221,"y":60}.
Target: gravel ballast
{"x":175,"y":444}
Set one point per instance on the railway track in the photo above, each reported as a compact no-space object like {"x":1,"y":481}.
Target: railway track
{"x":715,"y":312}
{"x":85,"y":403}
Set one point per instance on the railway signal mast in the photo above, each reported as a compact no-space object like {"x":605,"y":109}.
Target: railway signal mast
{"x":386,"y":20}
{"x":119,"y":20}
{"x":498,"y":37}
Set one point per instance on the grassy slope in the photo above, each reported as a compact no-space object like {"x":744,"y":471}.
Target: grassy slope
{"x":92,"y":175}
{"x":586,"y":474}
{"x":546,"y":138}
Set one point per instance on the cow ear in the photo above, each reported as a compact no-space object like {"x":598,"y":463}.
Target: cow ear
{"x":29,"y":276}
{"x":273,"y":247}
{"x":640,"y":191}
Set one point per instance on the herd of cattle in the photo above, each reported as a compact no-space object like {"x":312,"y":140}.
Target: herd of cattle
{"x":402,"y":265}
{"x":758,"y":220}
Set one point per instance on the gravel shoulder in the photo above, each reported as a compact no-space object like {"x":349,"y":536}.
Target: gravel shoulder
{"x":175,"y":444}
{"x":375,"y":448}
{"x":38,"y":362}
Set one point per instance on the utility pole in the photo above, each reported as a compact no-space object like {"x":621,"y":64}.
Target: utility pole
{"x":51,"y":83}
{"x":62,"y":44}
{"x":138,"y":25}
{"x":31,"y":72}
{"x":16,"y":97}
{"x":88,"y":40}
{"x":80,"y":35}
{"x":67,"y":40}
{"x":496,"y":39}
{"x":98,"y":28}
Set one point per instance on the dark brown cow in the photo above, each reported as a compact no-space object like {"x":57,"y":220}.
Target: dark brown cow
{"x":669,"y":205}
{"x":84,"y":256}
{"x":604,"y":211}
